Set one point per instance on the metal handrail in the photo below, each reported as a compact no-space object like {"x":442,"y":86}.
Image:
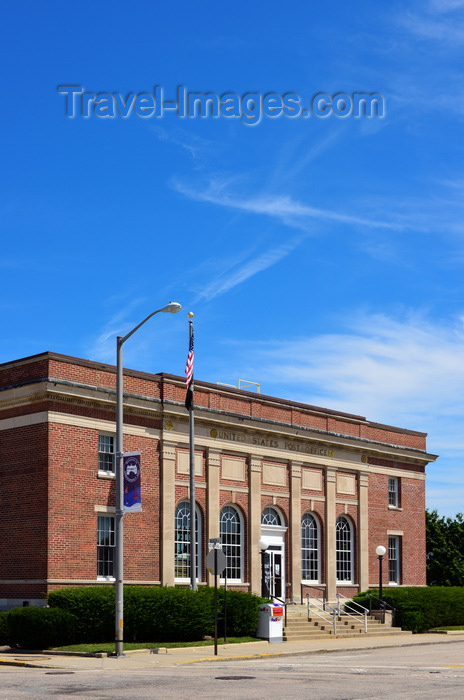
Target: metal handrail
{"x":383,"y":606}
{"x":321,"y":611}
{"x":347,"y":607}
{"x":316,"y":588}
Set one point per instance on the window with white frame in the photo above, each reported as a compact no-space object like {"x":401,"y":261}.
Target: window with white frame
{"x":106,"y":453}
{"x":394,"y":559}
{"x":270,"y":516}
{"x":309,"y":548}
{"x":105,"y":546}
{"x":231,"y":532}
{"x":393,"y":492}
{"x":344,"y":550}
{"x":182,"y":541}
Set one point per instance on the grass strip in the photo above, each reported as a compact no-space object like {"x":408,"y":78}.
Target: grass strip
{"x":108,"y":647}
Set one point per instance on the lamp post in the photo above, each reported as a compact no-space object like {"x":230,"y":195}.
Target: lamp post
{"x":173,"y":308}
{"x":380,"y":551}
{"x":262,"y":546}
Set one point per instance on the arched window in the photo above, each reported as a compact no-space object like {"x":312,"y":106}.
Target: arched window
{"x":231,"y":532}
{"x":182,"y":541}
{"x":309,"y":548}
{"x":271,"y":517}
{"x":344,"y":549}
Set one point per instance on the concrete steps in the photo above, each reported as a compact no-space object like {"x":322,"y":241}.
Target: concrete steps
{"x":300,"y":628}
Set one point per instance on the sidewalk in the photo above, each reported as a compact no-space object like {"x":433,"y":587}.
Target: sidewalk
{"x":145,"y":659}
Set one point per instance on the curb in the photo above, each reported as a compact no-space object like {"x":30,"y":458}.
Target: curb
{"x":22,"y":664}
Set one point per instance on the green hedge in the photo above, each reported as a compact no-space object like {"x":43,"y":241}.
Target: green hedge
{"x":40,"y":628}
{"x":165,"y":614}
{"x":3,"y":629}
{"x":419,"y":609}
{"x":94,"y":608}
{"x":157,"y":613}
{"x":241,"y":615}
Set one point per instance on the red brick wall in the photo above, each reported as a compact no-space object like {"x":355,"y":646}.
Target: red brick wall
{"x":23,"y":505}
{"x":75,"y":489}
{"x":410,"y":519}
{"x":22,"y":371}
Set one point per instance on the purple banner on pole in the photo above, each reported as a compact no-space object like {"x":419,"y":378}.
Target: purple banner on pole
{"x":132,"y":491}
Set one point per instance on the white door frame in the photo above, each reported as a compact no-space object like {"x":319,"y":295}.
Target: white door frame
{"x":274,"y":537}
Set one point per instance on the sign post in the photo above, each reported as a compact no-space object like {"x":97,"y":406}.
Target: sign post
{"x":216,"y":562}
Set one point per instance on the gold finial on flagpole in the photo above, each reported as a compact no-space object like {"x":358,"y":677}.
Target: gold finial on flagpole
{"x":190,"y":314}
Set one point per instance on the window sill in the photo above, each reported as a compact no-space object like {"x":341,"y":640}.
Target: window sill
{"x":106,"y":475}
{"x":395,"y":508}
{"x":106,"y":579}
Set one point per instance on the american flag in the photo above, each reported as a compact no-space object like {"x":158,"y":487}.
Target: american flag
{"x":189,"y":371}
{"x":189,"y":363}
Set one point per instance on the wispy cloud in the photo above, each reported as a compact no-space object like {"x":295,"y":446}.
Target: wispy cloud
{"x":440,"y":21}
{"x":405,"y":372}
{"x":240,"y":273}
{"x":411,"y":369}
{"x":102,"y":347}
{"x":193,"y":144}
{"x":294,"y":157}
{"x":443,"y":6}
{"x":442,"y":31}
{"x":284,"y":208}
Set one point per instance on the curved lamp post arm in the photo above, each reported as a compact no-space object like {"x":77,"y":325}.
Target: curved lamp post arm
{"x":173,"y":307}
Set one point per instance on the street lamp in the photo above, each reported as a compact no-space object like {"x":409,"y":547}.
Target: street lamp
{"x":380,"y":551}
{"x":262,"y":546}
{"x":172,"y":308}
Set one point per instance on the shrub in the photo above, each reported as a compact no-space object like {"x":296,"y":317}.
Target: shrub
{"x":40,"y":628}
{"x":241,"y":615}
{"x":157,"y":613}
{"x":422,"y":608}
{"x":242,"y":611}
{"x":3,"y":629}
{"x":94,"y":608}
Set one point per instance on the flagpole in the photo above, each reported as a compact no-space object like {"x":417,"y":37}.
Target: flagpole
{"x":190,"y":404}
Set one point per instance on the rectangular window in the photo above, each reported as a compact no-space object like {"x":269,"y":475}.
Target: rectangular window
{"x":344,"y":550}
{"x":105,"y":546}
{"x":394,"y":558}
{"x":182,"y":542}
{"x":393,"y":492}
{"x":309,"y":548}
{"x":106,"y":454}
{"x":230,"y":530}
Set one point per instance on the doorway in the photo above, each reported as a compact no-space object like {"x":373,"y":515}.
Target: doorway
{"x":273,"y":561}
{"x":274,"y":572}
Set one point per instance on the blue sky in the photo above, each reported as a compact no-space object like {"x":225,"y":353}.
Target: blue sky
{"x":323,"y":256}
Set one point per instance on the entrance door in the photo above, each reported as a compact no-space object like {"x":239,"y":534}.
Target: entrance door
{"x":273,"y":560}
{"x":273,"y":572}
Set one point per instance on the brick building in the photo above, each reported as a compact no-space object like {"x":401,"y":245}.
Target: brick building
{"x":322,"y":488}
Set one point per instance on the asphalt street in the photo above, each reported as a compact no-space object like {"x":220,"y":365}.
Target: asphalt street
{"x":411,"y":672}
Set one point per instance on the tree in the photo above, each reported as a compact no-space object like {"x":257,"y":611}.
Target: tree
{"x":445,"y":550}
